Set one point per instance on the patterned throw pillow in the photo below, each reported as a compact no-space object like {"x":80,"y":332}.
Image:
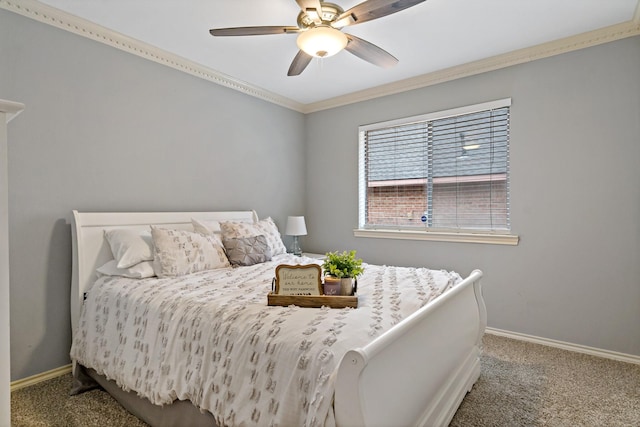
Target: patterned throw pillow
{"x":180,"y":252}
{"x":265,"y":227}
{"x":247,"y":250}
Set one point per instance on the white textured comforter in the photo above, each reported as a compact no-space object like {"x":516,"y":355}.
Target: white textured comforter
{"x":211,"y":338}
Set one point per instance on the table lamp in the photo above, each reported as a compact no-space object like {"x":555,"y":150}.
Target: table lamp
{"x":296,"y":227}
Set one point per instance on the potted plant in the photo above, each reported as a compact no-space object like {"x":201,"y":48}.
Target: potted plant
{"x":343,"y":267}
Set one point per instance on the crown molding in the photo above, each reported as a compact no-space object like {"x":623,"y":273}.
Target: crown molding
{"x":57,"y":18}
{"x":63,"y":20}
{"x":557,"y":47}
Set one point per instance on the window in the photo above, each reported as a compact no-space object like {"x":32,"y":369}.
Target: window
{"x":439,"y":172}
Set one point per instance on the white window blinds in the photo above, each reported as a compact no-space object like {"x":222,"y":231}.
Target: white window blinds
{"x":444,"y":171}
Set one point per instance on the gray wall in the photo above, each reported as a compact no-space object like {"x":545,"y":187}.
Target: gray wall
{"x":575,"y":194}
{"x":104,"y":130}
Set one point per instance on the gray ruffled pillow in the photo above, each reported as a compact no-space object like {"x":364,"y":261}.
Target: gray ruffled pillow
{"x":266,"y":227}
{"x":247,"y":250}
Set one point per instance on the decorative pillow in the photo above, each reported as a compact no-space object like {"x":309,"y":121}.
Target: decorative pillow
{"x":247,"y":250}
{"x":141,"y":270}
{"x":180,"y":252}
{"x":205,"y":227}
{"x":266,"y":227}
{"x":129,"y":247}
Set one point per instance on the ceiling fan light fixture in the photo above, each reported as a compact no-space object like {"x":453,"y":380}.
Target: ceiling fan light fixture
{"x":322,"y":42}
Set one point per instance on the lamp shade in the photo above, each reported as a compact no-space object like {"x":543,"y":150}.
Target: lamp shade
{"x":322,"y":42}
{"x":296,"y":226}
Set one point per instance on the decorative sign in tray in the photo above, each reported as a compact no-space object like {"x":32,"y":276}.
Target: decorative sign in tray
{"x":301,"y":285}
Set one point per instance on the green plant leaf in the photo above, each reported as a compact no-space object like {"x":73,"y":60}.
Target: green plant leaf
{"x":343,"y":264}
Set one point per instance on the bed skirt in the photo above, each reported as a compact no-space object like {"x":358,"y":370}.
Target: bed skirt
{"x":179,"y":413}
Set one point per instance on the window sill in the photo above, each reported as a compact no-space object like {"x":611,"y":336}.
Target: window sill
{"x":440,"y":236}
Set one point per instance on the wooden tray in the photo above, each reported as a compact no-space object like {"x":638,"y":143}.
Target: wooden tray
{"x":333,"y":301}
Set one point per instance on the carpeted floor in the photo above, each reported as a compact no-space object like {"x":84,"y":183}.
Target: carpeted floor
{"x":507,"y":394}
{"x":521,"y":384}
{"x":524,"y":384}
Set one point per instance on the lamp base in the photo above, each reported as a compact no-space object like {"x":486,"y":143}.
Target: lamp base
{"x":295,"y":249}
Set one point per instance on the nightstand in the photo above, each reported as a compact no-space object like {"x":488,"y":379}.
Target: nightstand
{"x":314,"y":256}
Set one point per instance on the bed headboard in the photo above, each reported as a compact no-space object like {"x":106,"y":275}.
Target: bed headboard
{"x":91,"y":250}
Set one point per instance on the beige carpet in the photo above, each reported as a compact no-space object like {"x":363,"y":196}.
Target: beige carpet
{"x":521,"y":384}
{"x":524,"y":384}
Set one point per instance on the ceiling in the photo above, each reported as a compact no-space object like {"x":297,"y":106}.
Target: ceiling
{"x":427,"y":38}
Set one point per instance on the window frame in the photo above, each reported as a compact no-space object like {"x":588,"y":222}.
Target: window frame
{"x":501,"y":237}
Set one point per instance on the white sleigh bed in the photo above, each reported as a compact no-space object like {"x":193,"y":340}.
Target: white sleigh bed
{"x":415,"y":373}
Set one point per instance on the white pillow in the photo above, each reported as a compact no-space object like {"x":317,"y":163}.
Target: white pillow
{"x":129,"y":247}
{"x":180,"y":252}
{"x":266,"y":227}
{"x":205,"y":227}
{"x":142,"y":270}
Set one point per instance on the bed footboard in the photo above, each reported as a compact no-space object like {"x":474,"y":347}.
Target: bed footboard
{"x":418,"y":372}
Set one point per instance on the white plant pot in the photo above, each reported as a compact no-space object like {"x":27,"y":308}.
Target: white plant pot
{"x":346,"y":286}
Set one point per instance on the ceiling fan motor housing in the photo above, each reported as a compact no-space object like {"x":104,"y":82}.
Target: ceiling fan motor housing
{"x":309,"y":18}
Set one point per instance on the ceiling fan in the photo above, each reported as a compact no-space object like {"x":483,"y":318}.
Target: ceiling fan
{"x":319,"y":28}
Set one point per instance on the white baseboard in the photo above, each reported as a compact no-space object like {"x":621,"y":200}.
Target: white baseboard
{"x":592,"y":351}
{"x":38,"y":378}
